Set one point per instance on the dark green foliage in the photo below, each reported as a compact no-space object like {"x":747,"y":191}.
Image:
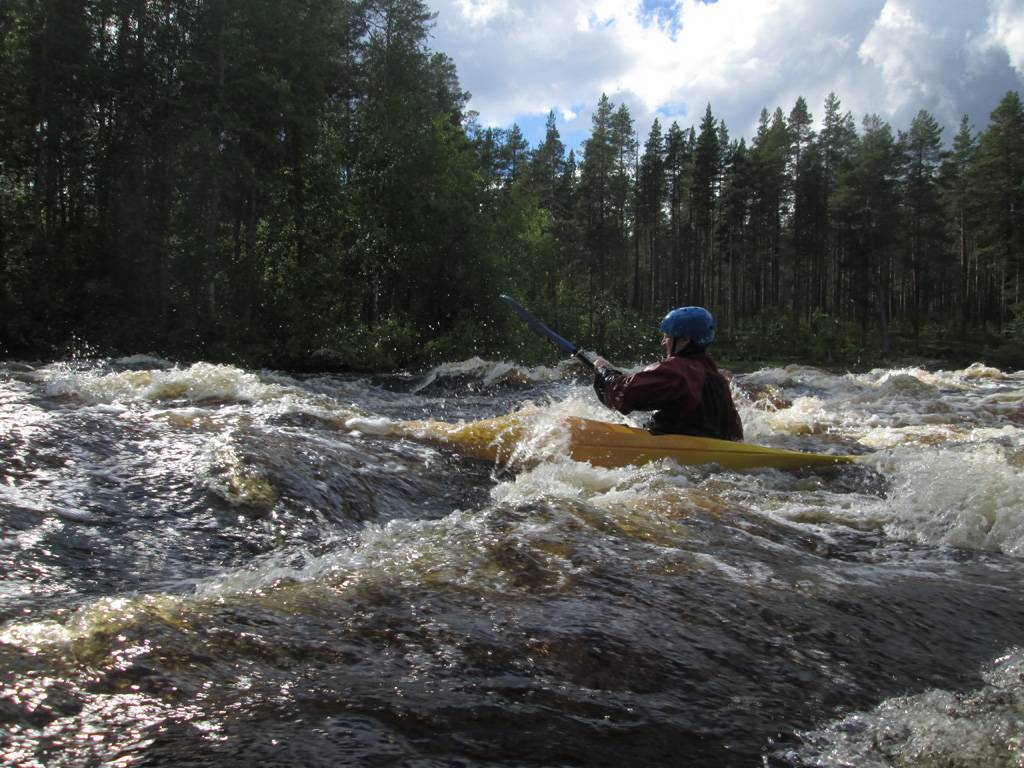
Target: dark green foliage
{"x":924,"y":261}
{"x":263,"y":181}
{"x":647,"y":275}
{"x":1000,"y":188}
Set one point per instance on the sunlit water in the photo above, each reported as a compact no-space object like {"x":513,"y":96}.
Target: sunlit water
{"x":209,"y":566}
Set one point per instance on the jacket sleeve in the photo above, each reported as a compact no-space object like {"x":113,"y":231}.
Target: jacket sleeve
{"x":655,"y":387}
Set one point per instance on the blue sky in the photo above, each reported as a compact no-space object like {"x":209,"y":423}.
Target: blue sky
{"x":670,"y":58}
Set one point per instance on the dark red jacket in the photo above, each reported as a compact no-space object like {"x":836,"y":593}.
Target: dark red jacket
{"x":686,"y":391}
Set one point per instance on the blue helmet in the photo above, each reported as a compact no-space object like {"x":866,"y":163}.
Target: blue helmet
{"x":693,"y":323}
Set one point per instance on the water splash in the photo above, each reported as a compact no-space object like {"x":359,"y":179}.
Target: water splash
{"x":198,"y":383}
{"x":488,"y":375}
{"x":984,"y":727}
{"x":970,"y":497}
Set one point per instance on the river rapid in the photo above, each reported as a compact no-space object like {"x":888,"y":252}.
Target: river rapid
{"x":204,"y":565}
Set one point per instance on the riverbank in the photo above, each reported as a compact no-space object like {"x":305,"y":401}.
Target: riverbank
{"x":392,"y":348}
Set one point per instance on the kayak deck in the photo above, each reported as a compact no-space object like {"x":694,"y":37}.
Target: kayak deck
{"x":616,"y":445}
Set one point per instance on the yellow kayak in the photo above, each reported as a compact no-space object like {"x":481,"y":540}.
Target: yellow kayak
{"x":613,"y":445}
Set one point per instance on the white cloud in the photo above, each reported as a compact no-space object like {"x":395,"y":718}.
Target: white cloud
{"x":912,"y":56}
{"x":477,"y":12}
{"x":1006,"y":29}
{"x":672,"y":57}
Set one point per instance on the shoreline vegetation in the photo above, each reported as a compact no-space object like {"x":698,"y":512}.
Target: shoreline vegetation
{"x":328,"y":362}
{"x":301,"y":186}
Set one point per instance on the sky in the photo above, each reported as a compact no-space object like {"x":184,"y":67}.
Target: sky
{"x":669,"y":59}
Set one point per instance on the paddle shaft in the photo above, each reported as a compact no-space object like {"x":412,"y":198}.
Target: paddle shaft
{"x":558,"y":340}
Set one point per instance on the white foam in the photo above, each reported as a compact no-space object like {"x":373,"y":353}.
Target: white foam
{"x":199,"y":382}
{"x":562,"y":478}
{"x":935,"y":728}
{"x":864,"y":406}
{"x":806,"y":416}
{"x":107,"y":614}
{"x":968,"y":496}
{"x":462,"y":549}
{"x":490,"y":373}
{"x":373,"y":426}
{"x":982,"y":371}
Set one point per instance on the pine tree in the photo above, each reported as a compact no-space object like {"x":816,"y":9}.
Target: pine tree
{"x":547,"y":164}
{"x":922,"y":154}
{"x":800,"y":131}
{"x":513,"y":154}
{"x":706,"y":170}
{"x":625,"y":148}
{"x":958,"y":170}
{"x":866,"y":211}
{"x":837,"y":142}
{"x":596,"y":200}
{"x":809,"y":232}
{"x":804,"y":161}
{"x":650,"y":194}
{"x":770,"y":155}
{"x":734,"y":231}
{"x":680,"y":147}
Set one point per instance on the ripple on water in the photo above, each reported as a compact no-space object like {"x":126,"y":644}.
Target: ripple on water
{"x":264,"y":585}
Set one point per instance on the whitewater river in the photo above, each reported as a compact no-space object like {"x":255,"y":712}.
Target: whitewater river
{"x":202,"y":565}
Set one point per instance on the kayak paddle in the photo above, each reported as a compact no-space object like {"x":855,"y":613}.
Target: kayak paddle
{"x":589,"y":358}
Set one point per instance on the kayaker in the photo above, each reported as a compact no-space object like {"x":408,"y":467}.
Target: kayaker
{"x":687,"y":393}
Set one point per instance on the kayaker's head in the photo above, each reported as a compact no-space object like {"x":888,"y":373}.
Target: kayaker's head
{"x":687,"y":327}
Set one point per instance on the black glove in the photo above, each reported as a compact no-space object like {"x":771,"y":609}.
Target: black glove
{"x":602,"y":378}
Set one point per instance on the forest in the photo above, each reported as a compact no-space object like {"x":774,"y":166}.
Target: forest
{"x":277,"y":182}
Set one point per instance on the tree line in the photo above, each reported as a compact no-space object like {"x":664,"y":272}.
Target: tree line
{"x":844,"y":241}
{"x":257,"y":180}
